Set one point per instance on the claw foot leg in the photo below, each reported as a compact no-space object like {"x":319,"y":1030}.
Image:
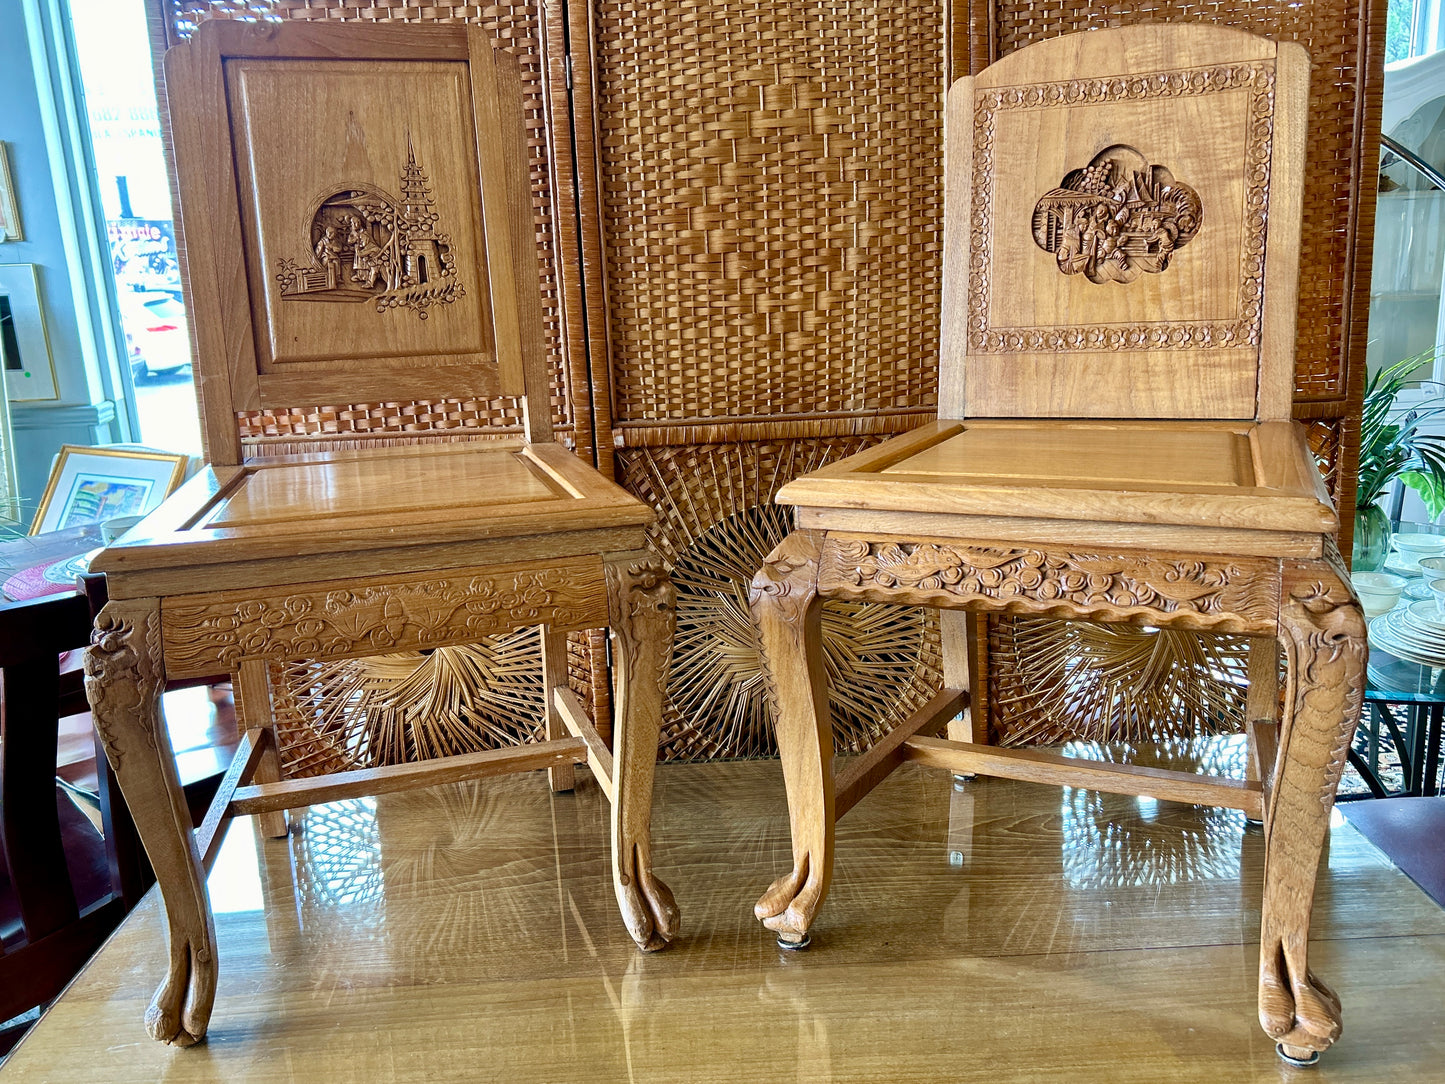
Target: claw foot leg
{"x":788,"y":611}
{"x":1323,"y":632}
{"x":643,"y":613}
{"x":123,"y":680}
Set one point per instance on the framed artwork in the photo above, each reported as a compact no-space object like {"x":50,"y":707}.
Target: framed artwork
{"x":10,"y":521}
{"x":92,"y":485}
{"x":9,"y":212}
{"x":24,"y":344}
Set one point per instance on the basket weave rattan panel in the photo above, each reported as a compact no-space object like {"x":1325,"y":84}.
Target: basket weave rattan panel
{"x":771,"y":205}
{"x":516,"y":25}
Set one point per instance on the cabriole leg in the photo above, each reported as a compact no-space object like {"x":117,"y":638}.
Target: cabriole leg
{"x":643,"y":613}
{"x":1323,"y":632}
{"x":788,"y":611}
{"x":124,"y":674}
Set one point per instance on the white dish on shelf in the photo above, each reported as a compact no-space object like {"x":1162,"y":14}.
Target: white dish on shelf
{"x":1426,"y":613}
{"x":1384,"y":636}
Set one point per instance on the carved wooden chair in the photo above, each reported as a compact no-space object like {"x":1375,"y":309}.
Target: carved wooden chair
{"x":358,"y":227}
{"x":1114,"y":443}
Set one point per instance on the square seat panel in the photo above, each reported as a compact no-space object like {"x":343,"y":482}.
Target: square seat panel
{"x":1236,"y":476}
{"x":325,"y":505}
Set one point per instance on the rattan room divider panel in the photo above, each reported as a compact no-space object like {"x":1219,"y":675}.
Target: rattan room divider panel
{"x":767,"y":184}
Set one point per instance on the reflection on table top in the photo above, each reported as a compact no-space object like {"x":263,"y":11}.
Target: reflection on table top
{"x":18,"y":554}
{"x":998,"y":931}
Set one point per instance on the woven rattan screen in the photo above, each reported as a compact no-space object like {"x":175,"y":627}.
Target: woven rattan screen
{"x":768,"y":181}
{"x":517,"y":25}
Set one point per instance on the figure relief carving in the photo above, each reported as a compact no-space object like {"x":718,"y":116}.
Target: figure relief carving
{"x":122,"y":675}
{"x":368,"y":245}
{"x":1149,"y":242}
{"x":644,"y":609}
{"x":1116,"y":218}
{"x":359,"y":620}
{"x":789,"y":575}
{"x":1225,"y":595}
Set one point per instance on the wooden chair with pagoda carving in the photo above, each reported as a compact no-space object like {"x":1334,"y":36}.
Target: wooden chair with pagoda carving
{"x":1114,"y":443}
{"x":358,"y":227}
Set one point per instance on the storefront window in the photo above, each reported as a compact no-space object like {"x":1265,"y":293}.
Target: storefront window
{"x":114,"y":54}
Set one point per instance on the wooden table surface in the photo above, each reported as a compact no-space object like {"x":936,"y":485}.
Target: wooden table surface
{"x":1001,"y":932}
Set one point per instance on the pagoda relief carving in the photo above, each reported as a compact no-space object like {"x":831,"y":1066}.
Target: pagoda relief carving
{"x":370,"y":246}
{"x":1116,"y":218}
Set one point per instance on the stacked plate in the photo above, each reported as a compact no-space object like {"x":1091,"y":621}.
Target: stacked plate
{"x":1415,"y":633}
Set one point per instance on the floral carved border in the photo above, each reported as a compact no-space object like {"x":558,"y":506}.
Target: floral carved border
{"x":1244,"y":331}
{"x":212,"y":634}
{"x":1227,"y":595}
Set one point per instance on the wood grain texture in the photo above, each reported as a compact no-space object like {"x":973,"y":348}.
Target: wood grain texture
{"x":599,"y":757}
{"x":1132,"y":929}
{"x":124,"y":675}
{"x":1159,"y":474}
{"x":377,"y":548}
{"x":362,"y":782}
{"x":642,"y":608}
{"x":788,"y":610}
{"x":1036,"y":766}
{"x":1179,"y":129}
{"x":1090,"y":264}
{"x":208,"y":634}
{"x":859,"y":775}
{"x":1323,"y":631}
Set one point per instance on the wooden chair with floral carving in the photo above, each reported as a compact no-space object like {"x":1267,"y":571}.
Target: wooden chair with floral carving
{"x":358,"y":227}
{"x":1114,"y":443}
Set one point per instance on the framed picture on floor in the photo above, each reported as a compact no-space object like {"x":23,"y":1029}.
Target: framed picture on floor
{"x":92,"y":485}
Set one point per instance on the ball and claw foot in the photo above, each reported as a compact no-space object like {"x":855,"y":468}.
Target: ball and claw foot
{"x":1298,"y":1056}
{"x":788,"y":906}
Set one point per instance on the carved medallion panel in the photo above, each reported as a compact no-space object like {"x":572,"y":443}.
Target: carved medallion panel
{"x":1054,"y":190}
{"x":1116,"y":218}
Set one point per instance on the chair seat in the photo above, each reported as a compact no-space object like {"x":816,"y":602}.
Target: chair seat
{"x":1142,"y":482}
{"x":349,"y":502}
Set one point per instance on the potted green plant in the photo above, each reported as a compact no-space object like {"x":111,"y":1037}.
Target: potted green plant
{"x":1391,"y":449}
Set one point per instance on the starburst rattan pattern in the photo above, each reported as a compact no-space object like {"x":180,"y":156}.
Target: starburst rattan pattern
{"x":392,"y":709}
{"x":717,"y":522}
{"x":1052,"y":681}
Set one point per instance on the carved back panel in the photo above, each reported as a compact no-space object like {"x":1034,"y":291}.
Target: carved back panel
{"x":352,"y":200}
{"x":1116,"y":202}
